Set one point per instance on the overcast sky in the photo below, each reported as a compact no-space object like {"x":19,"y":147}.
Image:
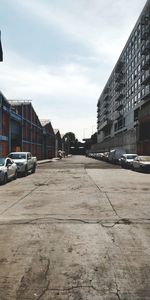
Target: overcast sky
{"x":60,"y":53}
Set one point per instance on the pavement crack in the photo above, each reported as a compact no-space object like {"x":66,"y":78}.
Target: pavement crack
{"x":22,"y":198}
{"x":35,"y":279}
{"x":19,"y":200}
{"x":73,"y":288}
{"x":111,"y":205}
{"x":117,"y":290}
{"x":44,"y":291}
{"x":104,"y":223}
{"x":105,"y":193}
{"x":45,"y":275}
{"x":120,"y":221}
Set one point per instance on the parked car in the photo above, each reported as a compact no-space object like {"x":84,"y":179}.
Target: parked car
{"x":105,"y":156}
{"x":100,"y":155}
{"x":141,"y":163}
{"x":126,"y":160}
{"x":8,"y":170}
{"x":25,"y":162}
{"x":97,"y":155}
{"x":115,"y":154}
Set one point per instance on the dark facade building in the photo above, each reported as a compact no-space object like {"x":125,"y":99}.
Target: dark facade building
{"x":4,"y":125}
{"x":31,"y":128}
{"x":10,"y":128}
{"x":21,"y":130}
{"x":15,"y":131}
{"x":48,"y":139}
{"x":58,"y":142}
{"x":123,"y":113}
{"x":143,"y":132}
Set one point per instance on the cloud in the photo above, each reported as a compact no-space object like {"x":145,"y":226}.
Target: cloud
{"x":62,"y":94}
{"x":69,"y":80}
{"x":102,"y":26}
{"x":67,"y":91}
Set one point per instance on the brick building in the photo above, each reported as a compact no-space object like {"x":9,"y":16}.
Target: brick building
{"x":31,"y":129}
{"x":48,"y":139}
{"x":21,"y":130}
{"x":4,"y":125}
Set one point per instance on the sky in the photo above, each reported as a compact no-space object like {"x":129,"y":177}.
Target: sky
{"x":60,"y":54}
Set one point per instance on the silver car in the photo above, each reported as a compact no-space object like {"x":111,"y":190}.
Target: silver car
{"x":8,"y":170}
{"x":141,"y":163}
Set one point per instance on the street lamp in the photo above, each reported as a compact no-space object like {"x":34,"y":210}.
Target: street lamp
{"x":1,"y":50}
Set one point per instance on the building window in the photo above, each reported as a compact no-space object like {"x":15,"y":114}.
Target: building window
{"x":143,"y":92}
{"x":139,"y":82}
{"x":135,"y":100}
{"x":139,"y":69}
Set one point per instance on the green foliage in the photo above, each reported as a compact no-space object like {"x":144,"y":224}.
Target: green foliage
{"x":70,"y":136}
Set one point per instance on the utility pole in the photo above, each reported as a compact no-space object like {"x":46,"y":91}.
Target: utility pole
{"x":1,"y":50}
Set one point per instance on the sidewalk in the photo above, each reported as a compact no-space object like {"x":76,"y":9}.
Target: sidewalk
{"x":44,"y":161}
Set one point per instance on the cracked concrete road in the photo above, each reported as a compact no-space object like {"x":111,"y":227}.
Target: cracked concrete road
{"x":77,"y":229}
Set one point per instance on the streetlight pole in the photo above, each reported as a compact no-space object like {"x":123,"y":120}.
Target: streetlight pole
{"x":1,"y":50}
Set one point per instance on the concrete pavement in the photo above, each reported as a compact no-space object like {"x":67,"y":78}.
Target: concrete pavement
{"x":77,"y":229}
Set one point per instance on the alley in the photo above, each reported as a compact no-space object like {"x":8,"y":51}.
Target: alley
{"x":77,"y":229}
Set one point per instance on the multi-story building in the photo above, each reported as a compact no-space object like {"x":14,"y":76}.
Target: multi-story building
{"x":123,"y":109}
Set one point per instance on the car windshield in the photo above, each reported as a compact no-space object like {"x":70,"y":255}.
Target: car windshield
{"x":17,"y":156}
{"x":2,"y":161}
{"x":145,"y":158}
{"x":131,"y":156}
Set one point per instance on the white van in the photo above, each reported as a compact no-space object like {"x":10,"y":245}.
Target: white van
{"x":115,"y":154}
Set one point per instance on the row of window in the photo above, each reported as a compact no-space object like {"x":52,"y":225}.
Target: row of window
{"x":130,"y":104}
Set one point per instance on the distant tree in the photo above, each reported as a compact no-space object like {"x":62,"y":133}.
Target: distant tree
{"x":70,"y":136}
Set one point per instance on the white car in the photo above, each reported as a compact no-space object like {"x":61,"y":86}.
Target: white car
{"x":8,"y":170}
{"x":126,"y":160}
{"x":25,"y":162}
{"x":141,"y":163}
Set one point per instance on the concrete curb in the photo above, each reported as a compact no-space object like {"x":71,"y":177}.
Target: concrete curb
{"x":44,"y":161}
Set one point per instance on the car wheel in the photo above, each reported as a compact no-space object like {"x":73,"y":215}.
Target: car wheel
{"x":25,"y":172}
{"x":34,"y":168}
{"x":15,"y":176}
{"x":141,"y":169}
{"x":5,"y":179}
